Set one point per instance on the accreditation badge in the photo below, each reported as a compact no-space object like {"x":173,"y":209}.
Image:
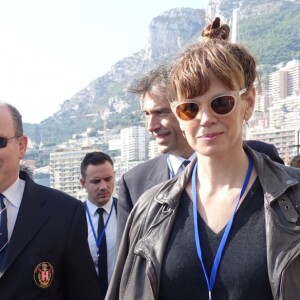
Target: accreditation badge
{"x":43,"y":274}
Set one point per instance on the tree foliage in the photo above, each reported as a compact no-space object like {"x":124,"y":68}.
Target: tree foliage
{"x":273,"y":37}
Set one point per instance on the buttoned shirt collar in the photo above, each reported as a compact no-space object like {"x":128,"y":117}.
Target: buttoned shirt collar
{"x":176,"y":161}
{"x":93,"y":208}
{"x":15,"y":192}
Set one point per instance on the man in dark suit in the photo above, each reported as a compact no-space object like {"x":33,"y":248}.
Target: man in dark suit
{"x":266,"y":148}
{"x":98,"y":178}
{"x":164,"y":127}
{"x":46,"y":254}
{"x":162,"y":124}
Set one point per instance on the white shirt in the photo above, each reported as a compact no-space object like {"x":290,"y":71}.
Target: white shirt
{"x":13,"y":198}
{"x":175,"y":162}
{"x":110,"y":233}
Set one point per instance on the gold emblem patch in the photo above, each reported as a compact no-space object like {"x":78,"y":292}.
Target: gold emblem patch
{"x":43,"y":274}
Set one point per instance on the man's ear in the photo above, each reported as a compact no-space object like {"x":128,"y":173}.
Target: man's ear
{"x":22,"y":141}
{"x":250,"y":98}
{"x":82,"y":181}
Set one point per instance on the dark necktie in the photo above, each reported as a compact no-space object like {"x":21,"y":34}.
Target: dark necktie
{"x":102,"y":258}
{"x":3,"y":230}
{"x":183,"y":165}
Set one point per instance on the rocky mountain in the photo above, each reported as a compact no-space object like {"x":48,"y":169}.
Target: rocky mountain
{"x":266,"y":26}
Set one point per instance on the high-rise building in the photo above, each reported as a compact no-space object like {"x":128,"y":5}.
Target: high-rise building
{"x":285,"y":81}
{"x":293,"y":78}
{"x":283,"y":111}
{"x":278,"y":85}
{"x":134,"y":144}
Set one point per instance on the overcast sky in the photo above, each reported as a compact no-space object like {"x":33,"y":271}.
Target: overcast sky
{"x":52,"y":49}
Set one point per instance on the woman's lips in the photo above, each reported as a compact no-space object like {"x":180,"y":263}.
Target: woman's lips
{"x":210,"y":136}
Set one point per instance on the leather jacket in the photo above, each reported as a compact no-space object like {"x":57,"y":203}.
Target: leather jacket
{"x":138,"y":265}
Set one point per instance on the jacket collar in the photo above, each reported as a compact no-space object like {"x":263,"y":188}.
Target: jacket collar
{"x":158,"y":171}
{"x":273,"y":177}
{"x":282,"y":235}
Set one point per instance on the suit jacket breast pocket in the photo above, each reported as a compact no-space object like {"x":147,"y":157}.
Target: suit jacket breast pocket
{"x":46,"y":273}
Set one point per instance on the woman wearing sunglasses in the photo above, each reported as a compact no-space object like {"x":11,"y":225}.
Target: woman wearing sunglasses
{"x":228,"y":227}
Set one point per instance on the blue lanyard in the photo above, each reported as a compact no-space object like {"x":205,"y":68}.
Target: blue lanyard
{"x":211,"y":282}
{"x":100,"y":238}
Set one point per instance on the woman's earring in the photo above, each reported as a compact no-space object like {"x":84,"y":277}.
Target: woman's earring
{"x":247,"y":123}
{"x":183,"y":133}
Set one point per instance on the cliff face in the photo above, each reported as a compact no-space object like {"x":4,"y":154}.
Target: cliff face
{"x":170,"y":31}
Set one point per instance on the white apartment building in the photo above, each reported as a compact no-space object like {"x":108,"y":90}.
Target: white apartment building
{"x":282,"y":110}
{"x":114,"y":142}
{"x":285,"y":82}
{"x":134,"y":144}
{"x":278,"y":85}
{"x":285,"y":113}
{"x":65,"y":170}
{"x":285,"y":93}
{"x":121,"y":167}
{"x":153,"y":149}
{"x":293,"y":78}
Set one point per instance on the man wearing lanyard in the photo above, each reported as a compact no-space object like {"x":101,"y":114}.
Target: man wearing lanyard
{"x":98,"y":179}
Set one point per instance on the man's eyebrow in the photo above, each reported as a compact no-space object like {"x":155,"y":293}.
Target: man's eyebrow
{"x":157,"y":109}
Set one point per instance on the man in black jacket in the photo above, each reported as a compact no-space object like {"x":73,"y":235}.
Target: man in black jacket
{"x":46,"y":253}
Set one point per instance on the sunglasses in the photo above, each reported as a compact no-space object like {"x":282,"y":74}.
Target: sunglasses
{"x":4,"y":141}
{"x":220,"y":106}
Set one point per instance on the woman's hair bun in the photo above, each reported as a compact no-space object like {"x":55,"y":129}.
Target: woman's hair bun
{"x":216,"y":30}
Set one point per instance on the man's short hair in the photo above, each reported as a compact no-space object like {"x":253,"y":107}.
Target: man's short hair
{"x":155,"y":82}
{"x":94,"y":158}
{"x":295,"y":161}
{"x":17,"y":119}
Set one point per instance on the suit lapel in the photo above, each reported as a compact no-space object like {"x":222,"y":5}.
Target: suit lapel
{"x":159,"y":171}
{"x":31,"y":218}
{"x":115,"y":202}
